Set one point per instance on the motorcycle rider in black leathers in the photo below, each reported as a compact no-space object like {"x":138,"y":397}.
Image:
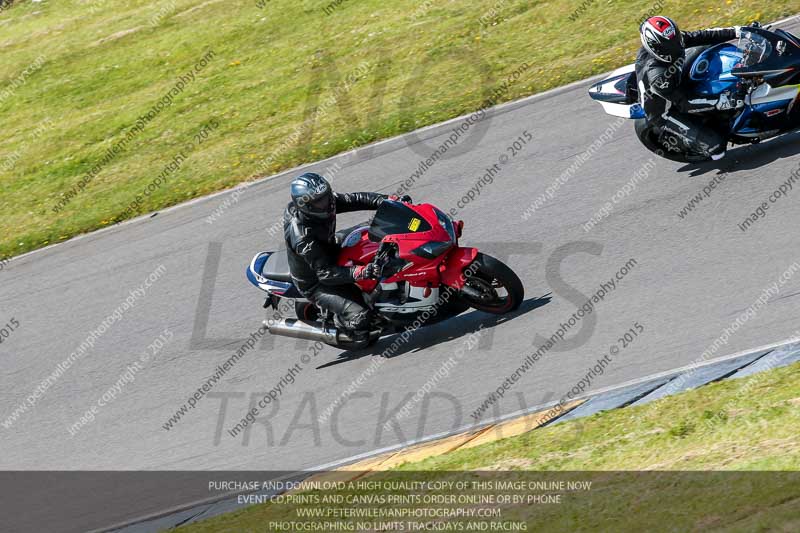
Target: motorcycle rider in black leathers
{"x":309,"y":226}
{"x":660,"y":69}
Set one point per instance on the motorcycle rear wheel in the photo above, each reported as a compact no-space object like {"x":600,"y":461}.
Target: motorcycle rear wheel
{"x":500,"y":288}
{"x":306,"y":311}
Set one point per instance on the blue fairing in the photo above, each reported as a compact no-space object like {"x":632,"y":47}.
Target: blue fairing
{"x":711,"y":71}
{"x":745,"y":125}
{"x":711,"y":76}
{"x":742,"y":120}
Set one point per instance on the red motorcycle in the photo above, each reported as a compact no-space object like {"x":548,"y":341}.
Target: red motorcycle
{"x":426,"y":277}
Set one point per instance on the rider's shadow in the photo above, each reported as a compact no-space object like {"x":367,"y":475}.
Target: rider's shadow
{"x":447,"y":330}
{"x":749,"y":157}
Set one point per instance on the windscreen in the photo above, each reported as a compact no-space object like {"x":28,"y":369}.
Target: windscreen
{"x":755,"y":49}
{"x":393,"y":218}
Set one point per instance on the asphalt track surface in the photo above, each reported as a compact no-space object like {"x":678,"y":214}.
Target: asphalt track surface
{"x":692,"y":278}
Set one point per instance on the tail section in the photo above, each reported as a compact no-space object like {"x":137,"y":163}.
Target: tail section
{"x":619,"y":94}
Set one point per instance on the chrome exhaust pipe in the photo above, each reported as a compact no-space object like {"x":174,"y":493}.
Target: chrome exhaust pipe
{"x":311,"y":331}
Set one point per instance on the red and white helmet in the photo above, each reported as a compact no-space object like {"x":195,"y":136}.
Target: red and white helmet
{"x":662,"y":38}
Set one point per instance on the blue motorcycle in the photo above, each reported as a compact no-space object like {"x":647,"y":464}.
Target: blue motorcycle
{"x":757,"y":82}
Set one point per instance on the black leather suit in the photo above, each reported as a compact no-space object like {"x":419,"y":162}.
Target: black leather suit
{"x":313,"y":251}
{"x":667,"y":106}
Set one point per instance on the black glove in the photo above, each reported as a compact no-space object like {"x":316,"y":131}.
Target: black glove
{"x":405,"y":198}
{"x":368,"y":271}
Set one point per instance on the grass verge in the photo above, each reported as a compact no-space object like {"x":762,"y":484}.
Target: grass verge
{"x":741,"y":432}
{"x":79,"y":76}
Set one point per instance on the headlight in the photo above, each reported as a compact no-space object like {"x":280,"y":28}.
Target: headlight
{"x":432,"y":250}
{"x":447,"y":223}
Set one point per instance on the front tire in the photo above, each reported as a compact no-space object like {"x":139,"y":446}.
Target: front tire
{"x":492,"y":287}
{"x":647,"y":138}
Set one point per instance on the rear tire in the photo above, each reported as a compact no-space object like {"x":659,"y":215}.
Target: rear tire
{"x":306,"y":311}
{"x":500,"y":287}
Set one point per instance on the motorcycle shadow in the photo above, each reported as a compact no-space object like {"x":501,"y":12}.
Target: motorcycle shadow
{"x":447,"y":330}
{"x":749,"y":157}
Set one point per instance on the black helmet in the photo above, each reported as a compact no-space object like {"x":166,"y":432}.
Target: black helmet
{"x":662,"y":38}
{"x":312,"y":195}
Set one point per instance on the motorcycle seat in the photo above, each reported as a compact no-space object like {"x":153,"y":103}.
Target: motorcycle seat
{"x":277,"y":267}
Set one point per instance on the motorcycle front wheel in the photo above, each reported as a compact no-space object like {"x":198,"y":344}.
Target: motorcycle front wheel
{"x":648,"y":138}
{"x":491,"y":286}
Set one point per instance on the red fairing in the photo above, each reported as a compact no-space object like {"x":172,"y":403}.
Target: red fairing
{"x":457,"y":261}
{"x":421,"y":271}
